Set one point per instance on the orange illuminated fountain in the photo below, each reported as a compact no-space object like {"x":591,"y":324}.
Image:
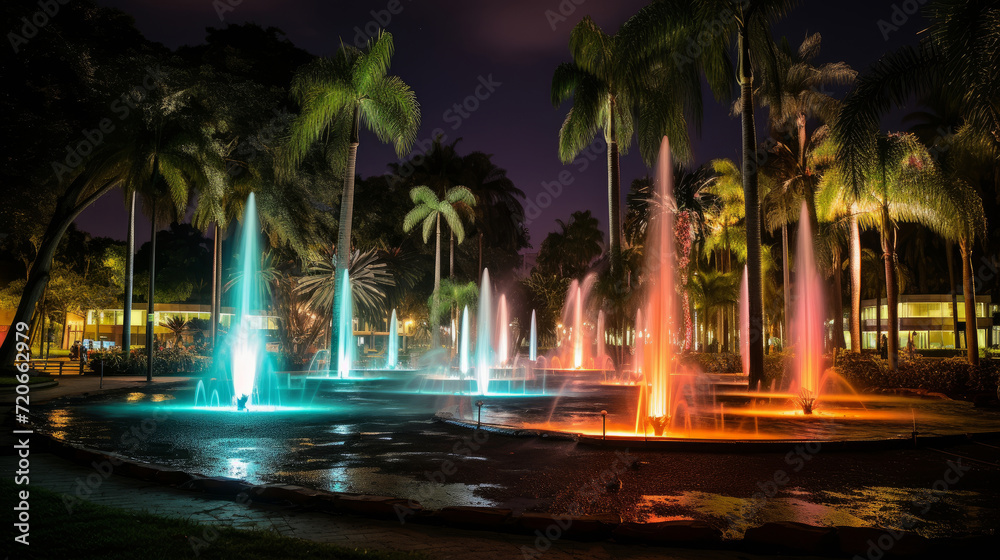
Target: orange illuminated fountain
{"x":807,"y":329}
{"x":659,"y":362}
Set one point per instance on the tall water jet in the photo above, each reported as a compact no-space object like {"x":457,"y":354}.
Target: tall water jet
{"x":661,"y":307}
{"x":483,"y":336}
{"x":807,"y":326}
{"x":640,"y":341}
{"x":503,"y":324}
{"x":463,"y":347}
{"x":245,"y":349}
{"x":599,"y":352}
{"x":345,"y":344}
{"x":578,"y":328}
{"x":533,"y":341}
{"x":392,"y":348}
{"x":745,"y":323}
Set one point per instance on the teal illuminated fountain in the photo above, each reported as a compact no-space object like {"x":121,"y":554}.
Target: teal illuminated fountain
{"x":463,"y":348}
{"x":392,"y":348}
{"x":345,"y":342}
{"x":245,"y":343}
{"x":484,"y":351}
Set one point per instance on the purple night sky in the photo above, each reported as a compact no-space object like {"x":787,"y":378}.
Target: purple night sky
{"x":445,"y":47}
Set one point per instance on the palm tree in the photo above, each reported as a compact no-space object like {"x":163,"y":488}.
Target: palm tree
{"x":902,"y":184}
{"x":665,"y":29}
{"x":607,"y":91}
{"x":371,"y":280}
{"x":176,"y":325}
{"x":428,"y":211}
{"x":337,"y":95}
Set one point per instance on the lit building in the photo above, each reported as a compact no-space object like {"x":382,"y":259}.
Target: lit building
{"x":105,"y":326}
{"x":929,"y":318}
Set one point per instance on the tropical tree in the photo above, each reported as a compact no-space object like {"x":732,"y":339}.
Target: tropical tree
{"x":660,"y":34}
{"x":901,"y":183}
{"x":428,"y":211}
{"x":608,"y":90}
{"x":499,"y":213}
{"x":570,"y":251}
{"x":371,"y":280}
{"x":177,"y":325}
{"x":338,"y":95}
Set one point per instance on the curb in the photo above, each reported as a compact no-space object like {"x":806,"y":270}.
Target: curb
{"x":786,"y":537}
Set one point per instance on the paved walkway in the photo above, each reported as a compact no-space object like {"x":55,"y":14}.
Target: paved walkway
{"x":84,"y":384}
{"x":61,"y":476}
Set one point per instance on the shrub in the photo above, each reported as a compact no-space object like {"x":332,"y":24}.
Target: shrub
{"x":166,"y":361}
{"x":953,"y":376}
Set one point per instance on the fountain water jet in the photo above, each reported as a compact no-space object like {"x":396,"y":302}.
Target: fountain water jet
{"x":463,"y":348}
{"x":807,"y":328}
{"x":661,"y":308}
{"x":392,"y":348}
{"x":245,"y":344}
{"x":502,"y":332}
{"x":483,"y":331}
{"x":345,"y":344}
{"x":533,"y":344}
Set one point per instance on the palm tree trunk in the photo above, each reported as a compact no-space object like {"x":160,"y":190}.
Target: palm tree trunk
{"x":152,"y":288}
{"x":435,"y":323}
{"x":727,"y":267}
{"x":891,"y":288}
{"x":614,"y":195}
{"x":949,"y":254}
{"x":129,"y":272}
{"x":969,"y":293}
{"x":786,"y":282}
{"x":344,"y":233}
{"x":68,"y":207}
{"x":451,"y":254}
{"x":752,"y":206}
{"x":855,"y":268}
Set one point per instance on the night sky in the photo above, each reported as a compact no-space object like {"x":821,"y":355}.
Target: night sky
{"x":444,"y":49}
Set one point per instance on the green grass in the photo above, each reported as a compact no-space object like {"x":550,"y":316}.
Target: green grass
{"x":6,"y":381}
{"x":100,"y":532}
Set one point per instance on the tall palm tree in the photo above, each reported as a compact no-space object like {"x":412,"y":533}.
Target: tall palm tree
{"x":666,"y":29}
{"x":901,"y":183}
{"x":607,"y":91}
{"x":337,"y":96}
{"x":428,"y":211}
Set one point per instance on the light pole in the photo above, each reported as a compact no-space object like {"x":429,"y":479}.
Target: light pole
{"x":479,"y":421}
{"x":604,"y":424}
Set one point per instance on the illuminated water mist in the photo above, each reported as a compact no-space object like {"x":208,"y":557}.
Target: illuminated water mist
{"x":503,"y":328}
{"x":463,"y":348}
{"x":483,"y":335}
{"x":392,"y":348}
{"x":807,"y":326}
{"x":245,"y":340}
{"x":345,"y":341}
{"x":661,"y":305}
{"x":533,"y":342}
